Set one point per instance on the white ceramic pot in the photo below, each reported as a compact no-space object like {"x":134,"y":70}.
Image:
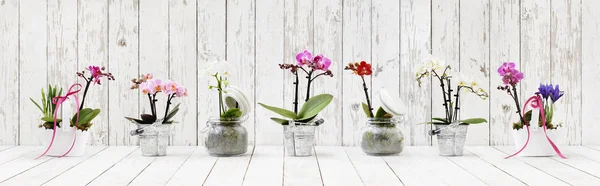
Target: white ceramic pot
{"x":63,"y":141}
{"x":538,"y":144}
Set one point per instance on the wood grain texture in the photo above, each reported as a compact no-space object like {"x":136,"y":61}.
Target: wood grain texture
{"x":336,"y":167}
{"x":590,"y":77}
{"x":125,"y":171}
{"x":565,"y":34}
{"x":357,"y":47}
{"x":327,"y":30}
{"x":372,"y":170}
{"x":229,"y":170}
{"x":92,"y":47}
{"x":183,"y":68}
{"x":9,"y":73}
{"x":32,"y":76}
{"x":474,"y":63}
{"x":241,"y":37}
{"x":160,"y":171}
{"x":504,"y":47}
{"x":266,"y":167}
{"x":195,"y":170}
{"x":445,"y":44}
{"x":269,"y":53}
{"x":415,"y":46}
{"x":62,"y":47}
{"x":385,"y":43}
{"x":211,"y":36}
{"x":124,"y":64}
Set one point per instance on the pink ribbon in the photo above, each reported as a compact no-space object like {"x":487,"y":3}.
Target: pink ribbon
{"x":536,"y":102}
{"x":58,"y":100}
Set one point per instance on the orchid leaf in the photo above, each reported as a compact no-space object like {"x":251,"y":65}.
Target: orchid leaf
{"x":87,"y":118}
{"x":473,"y":121}
{"x":51,"y":119}
{"x":280,"y":121}
{"x":380,"y":113}
{"x":365,"y":108}
{"x":232,"y":113}
{"x":147,"y":118}
{"x":280,"y":111}
{"x":314,"y":105}
{"x":135,"y":120}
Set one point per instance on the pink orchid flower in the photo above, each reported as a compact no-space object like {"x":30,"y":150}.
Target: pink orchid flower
{"x":96,"y":73}
{"x":148,"y":76}
{"x":145,"y":88}
{"x":170,"y":87}
{"x":181,"y":91}
{"x":304,"y":57}
{"x":322,"y":63}
{"x":155,"y":85}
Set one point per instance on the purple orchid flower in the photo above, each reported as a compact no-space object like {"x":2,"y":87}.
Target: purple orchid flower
{"x":556,"y":94}
{"x":545,"y":90}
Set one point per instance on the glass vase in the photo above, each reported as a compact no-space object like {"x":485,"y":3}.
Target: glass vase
{"x":382,"y":137}
{"x":226,"y":137}
{"x":451,"y":138}
{"x":154,"y":138}
{"x":299,"y":138}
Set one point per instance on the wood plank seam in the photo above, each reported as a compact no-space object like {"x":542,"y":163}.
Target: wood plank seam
{"x":208,"y":175}
{"x":319,"y":166}
{"x":496,"y":166}
{"x":130,"y":181}
{"x":249,"y":161}
{"x":2,"y":181}
{"x":178,"y":168}
{"x":495,"y":148}
{"x":388,"y":165}
{"x":450,"y":159}
{"x":352,"y":163}
{"x":597,"y":176}
{"x":72,"y":167}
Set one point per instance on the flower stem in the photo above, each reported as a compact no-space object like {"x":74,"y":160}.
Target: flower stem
{"x":296,"y":93}
{"x":170,"y":97}
{"x":367,"y":95}
{"x":444,"y":93}
{"x":87,"y":87}
{"x":151,"y":105}
{"x":450,"y":99}
{"x":516,"y":98}
{"x":309,"y":77}
{"x":456,"y":103}
{"x":221,"y":105}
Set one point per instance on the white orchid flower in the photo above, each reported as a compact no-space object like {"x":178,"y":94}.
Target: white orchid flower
{"x":221,"y":67}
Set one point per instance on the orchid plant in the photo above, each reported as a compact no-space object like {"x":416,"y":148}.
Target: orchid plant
{"x":47,"y":107}
{"x":220,"y":71}
{"x":151,"y":87}
{"x":363,"y":69}
{"x":550,"y":94}
{"x":436,"y":68}
{"x":313,"y":67}
{"x":86,"y":115}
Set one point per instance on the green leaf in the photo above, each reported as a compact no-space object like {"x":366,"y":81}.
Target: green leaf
{"x":171,"y":115}
{"x":435,"y":122}
{"x":280,"y":121}
{"x":314,"y":105}
{"x":82,"y":113}
{"x":232,"y":113}
{"x":280,"y":111}
{"x":380,"y":113}
{"x":51,"y":119}
{"x":135,"y":120}
{"x":440,"y":119}
{"x":474,"y":121}
{"x":38,"y":106}
{"x":89,"y":117}
{"x":366,"y":109}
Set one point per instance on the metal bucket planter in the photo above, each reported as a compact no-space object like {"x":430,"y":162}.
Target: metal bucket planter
{"x":226,"y":137}
{"x":382,"y":137}
{"x":299,"y":138}
{"x":451,"y":138}
{"x":154,"y":139}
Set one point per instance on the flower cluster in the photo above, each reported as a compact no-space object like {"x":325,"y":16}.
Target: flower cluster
{"x":318,"y":62}
{"x":470,"y":85}
{"x":362,"y":69}
{"x":431,"y":66}
{"x":549,"y":91}
{"x":510,"y":75}
{"x":148,"y":85}
{"x":97,"y":74}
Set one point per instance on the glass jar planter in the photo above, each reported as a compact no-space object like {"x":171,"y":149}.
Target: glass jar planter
{"x":382,"y":137}
{"x":451,"y":138}
{"x":299,"y":137}
{"x":154,"y":138}
{"x":226,"y":137}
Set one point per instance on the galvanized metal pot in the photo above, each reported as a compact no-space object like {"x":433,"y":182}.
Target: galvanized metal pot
{"x":154,"y":139}
{"x":299,"y":138}
{"x":451,"y":138}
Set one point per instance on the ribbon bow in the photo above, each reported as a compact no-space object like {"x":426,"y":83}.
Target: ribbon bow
{"x":58,"y":100}
{"x":536,"y":103}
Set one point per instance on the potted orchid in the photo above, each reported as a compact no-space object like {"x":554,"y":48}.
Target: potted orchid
{"x":381,"y":136}
{"x":299,"y":125}
{"x":225,"y":135}
{"x":451,"y":131}
{"x":537,"y":137}
{"x":69,"y":141}
{"x":154,"y":132}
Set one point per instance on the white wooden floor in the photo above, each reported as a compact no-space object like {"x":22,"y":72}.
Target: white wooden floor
{"x":267,"y":165}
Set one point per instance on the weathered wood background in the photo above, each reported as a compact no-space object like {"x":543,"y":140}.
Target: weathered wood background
{"x":47,"y":41}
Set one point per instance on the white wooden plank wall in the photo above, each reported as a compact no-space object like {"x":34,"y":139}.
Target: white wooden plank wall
{"x":552,"y":41}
